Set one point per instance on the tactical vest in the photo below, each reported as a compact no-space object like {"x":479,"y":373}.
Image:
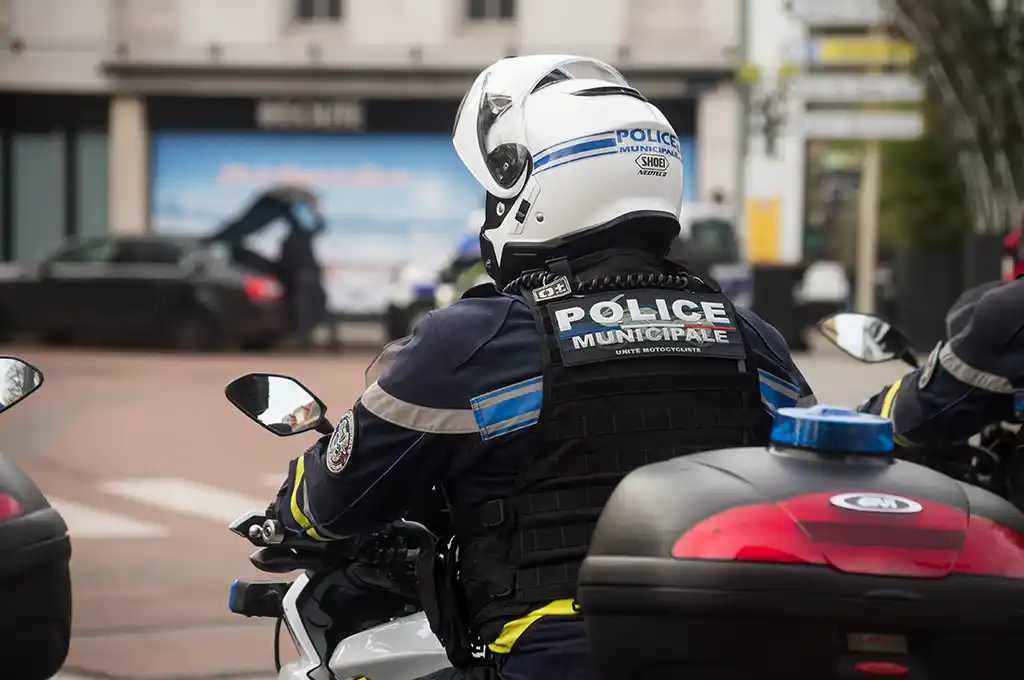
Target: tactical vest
{"x":670,"y":376}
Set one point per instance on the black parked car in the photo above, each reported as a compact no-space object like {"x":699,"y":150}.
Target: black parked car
{"x":190,"y":293}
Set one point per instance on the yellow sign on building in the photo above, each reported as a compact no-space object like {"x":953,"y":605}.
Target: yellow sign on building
{"x":764,"y":218}
{"x":865,"y":50}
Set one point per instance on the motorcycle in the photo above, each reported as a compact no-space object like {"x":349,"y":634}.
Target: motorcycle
{"x":35,"y":552}
{"x":820,"y":557}
{"x":336,"y":637}
{"x":992,"y":458}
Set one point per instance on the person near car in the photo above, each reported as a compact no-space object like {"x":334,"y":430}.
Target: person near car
{"x":301,"y":272}
{"x":968,"y":381}
{"x":589,"y":356}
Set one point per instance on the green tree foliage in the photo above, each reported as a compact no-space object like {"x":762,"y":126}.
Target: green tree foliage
{"x":971,"y":53}
{"x":923,"y":200}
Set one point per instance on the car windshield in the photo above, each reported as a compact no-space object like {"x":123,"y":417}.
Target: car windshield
{"x":714,"y":240}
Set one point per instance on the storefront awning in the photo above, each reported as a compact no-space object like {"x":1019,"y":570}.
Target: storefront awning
{"x":409,"y":74}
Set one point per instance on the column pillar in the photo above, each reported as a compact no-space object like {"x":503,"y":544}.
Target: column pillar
{"x":129,"y":165}
{"x":718,"y":142}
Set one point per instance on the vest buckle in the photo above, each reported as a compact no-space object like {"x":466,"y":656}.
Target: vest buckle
{"x":492,"y":514}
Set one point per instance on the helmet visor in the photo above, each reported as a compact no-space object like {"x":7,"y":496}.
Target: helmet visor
{"x":489,"y":132}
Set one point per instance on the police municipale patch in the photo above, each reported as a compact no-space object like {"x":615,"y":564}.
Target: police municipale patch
{"x":339,"y":448}
{"x":929,"y":368}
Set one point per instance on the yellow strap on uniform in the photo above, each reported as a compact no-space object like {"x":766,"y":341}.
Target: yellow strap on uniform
{"x":890,"y":399}
{"x":512,"y":630}
{"x":297,"y":514}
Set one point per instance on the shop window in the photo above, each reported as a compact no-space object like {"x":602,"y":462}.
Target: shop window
{"x":91,"y":184}
{"x":490,"y":10}
{"x":148,"y":252}
{"x":38,"y":193}
{"x":314,"y":11}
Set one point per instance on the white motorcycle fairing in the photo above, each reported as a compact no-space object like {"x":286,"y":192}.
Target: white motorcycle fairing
{"x":403,"y":649}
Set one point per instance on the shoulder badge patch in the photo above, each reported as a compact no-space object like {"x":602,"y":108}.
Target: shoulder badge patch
{"x":928,"y":372}
{"x":339,"y":449}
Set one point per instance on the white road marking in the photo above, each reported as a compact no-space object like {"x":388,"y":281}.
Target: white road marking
{"x":186,"y":497}
{"x":84,"y":522}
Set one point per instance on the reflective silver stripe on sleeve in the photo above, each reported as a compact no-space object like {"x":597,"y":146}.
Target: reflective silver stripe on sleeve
{"x":786,"y":389}
{"x":969,"y":375}
{"x":415,"y":417}
{"x":308,"y":512}
{"x":807,"y":401}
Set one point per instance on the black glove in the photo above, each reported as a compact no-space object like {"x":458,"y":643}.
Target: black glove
{"x":280,"y":509}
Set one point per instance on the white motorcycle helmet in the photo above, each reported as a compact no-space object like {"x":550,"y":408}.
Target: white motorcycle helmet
{"x":565,"y":148}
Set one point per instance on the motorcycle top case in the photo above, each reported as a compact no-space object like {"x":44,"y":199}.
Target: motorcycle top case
{"x":798,"y":563}
{"x":35,"y":582}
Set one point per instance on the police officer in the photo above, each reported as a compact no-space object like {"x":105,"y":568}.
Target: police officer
{"x":527,"y":402}
{"x":301,"y":272}
{"x":968,"y":382}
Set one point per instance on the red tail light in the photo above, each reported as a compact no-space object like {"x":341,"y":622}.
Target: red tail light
{"x":881,"y":668}
{"x":10,"y":508}
{"x":933,"y":543}
{"x":262,"y":288}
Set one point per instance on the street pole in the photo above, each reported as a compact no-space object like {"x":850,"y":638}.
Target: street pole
{"x":867,"y":227}
{"x":744,"y":127}
{"x":867,"y":218}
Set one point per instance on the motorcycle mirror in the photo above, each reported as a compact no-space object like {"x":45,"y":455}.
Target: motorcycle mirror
{"x":18,"y":379}
{"x":866,"y":337}
{"x":277,"y":403}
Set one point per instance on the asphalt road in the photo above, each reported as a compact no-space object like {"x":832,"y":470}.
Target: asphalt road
{"x":148,"y":463}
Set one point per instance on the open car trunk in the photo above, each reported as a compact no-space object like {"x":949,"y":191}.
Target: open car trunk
{"x":270,"y":206}
{"x":253,"y":261}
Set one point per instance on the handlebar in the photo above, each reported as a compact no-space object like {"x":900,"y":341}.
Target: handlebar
{"x":397,"y":544}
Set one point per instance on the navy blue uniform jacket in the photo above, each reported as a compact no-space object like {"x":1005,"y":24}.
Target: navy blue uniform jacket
{"x":455,"y":404}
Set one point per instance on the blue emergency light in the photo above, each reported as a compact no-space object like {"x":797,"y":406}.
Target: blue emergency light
{"x":832,"y":429}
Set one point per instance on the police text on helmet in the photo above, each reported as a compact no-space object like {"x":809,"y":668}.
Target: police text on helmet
{"x":647,"y":141}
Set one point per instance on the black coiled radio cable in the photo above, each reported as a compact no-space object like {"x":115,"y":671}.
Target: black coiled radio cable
{"x":533,"y":280}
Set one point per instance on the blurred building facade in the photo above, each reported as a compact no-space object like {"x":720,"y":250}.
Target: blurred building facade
{"x":85,"y":84}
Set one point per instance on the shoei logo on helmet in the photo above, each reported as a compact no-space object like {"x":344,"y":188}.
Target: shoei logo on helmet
{"x":873,"y":502}
{"x":652,"y":164}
